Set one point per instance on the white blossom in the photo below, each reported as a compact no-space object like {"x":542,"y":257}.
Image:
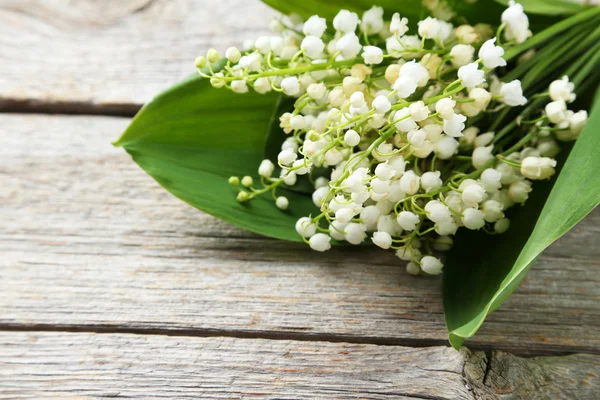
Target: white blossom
{"x":454,"y":127}
{"x":320,"y":242}
{"x":462,"y":54}
{"x":473,"y":219}
{"x":517,"y":23}
{"x":482,"y":155}
{"x":519,"y":190}
{"x":408,"y":220}
{"x":513,"y":94}
{"x":382,"y":239}
{"x":418,"y":111}
{"x":372,"y":21}
{"x":431,"y":265}
{"x":372,"y":55}
{"x":398,"y":26}
{"x":312,"y":46}
{"x":349,"y":45}
{"x":306,"y":227}
{"x":562,"y":89}
{"x":491,"y":55}
{"x":502,"y":225}
{"x":282,"y":202}
{"x":556,"y":111}
{"x":345,"y":21}
{"x":290,"y":85}
{"x":445,"y":107}
{"x":471,"y":75}
{"x":538,"y":167}
{"x":315,"y":26}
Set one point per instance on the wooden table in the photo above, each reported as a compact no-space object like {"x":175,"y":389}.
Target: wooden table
{"x":110,"y":287}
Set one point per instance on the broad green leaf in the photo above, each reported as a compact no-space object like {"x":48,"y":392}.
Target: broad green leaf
{"x":329,"y":8}
{"x":483,"y":11}
{"x":548,"y":7}
{"x":193,"y":137}
{"x":483,"y":270}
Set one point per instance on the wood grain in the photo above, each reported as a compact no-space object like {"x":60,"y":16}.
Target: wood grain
{"x":89,"y":242}
{"x":111,"y":56}
{"x":504,"y":376}
{"x":36,"y":365}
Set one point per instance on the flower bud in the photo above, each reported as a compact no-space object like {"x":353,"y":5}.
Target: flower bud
{"x":315,"y":26}
{"x":491,"y":180}
{"x":409,"y":183}
{"x":320,"y":242}
{"x":382,"y":239}
{"x":466,"y":34}
{"x":262,"y":85}
{"x":306,"y":227}
{"x":445,"y":108}
{"x":290,"y":85}
{"x":538,"y":167}
{"x":431,"y":180}
{"x":355,"y":233}
{"x":462,"y":54}
{"x":381,"y":104}
{"x":282,"y":202}
{"x":492,"y":210}
{"x":234,"y":181}
{"x":519,"y":191}
{"x":413,"y":268}
{"x":239,"y":86}
{"x":313,"y":47}
{"x":243,"y":196}
{"x":217,"y":80}
{"x":200,"y":62}
{"x":446,"y":147}
{"x":408,"y":253}
{"x":556,"y":111}
{"x":247,"y":181}
{"x":443,"y":243}
{"x":473,"y":219}
{"x":392,"y":73}
{"x":482,"y":156}
{"x":408,"y":220}
{"x":431,"y":265}
{"x":233,"y":54}
{"x":502,"y":225}
{"x":212,"y":56}
{"x":372,"y":55}
{"x":437,"y":211}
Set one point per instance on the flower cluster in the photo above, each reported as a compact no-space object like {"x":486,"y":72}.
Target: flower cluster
{"x":401,"y":123}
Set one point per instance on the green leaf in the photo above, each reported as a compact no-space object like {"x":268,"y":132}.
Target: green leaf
{"x":483,"y":11}
{"x":548,"y":7}
{"x":193,"y":137}
{"x":329,"y":8}
{"x":483,"y":270}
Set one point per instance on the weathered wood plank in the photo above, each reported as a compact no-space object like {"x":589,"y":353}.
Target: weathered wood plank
{"x":111,"y":56}
{"x":504,"y":376}
{"x":35,"y":365}
{"x":88,"y":241}
{"x":58,"y":365}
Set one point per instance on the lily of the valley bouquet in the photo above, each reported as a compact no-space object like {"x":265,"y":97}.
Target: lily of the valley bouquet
{"x":436,"y":131}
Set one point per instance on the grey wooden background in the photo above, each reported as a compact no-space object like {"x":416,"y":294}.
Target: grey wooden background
{"x":110,"y":287}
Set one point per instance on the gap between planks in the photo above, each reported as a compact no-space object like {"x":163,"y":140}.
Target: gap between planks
{"x":286,"y":336}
